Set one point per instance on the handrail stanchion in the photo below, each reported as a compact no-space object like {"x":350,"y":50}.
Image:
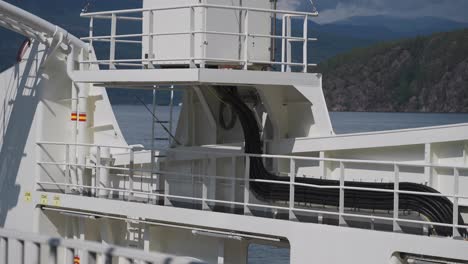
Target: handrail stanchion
{"x":98,"y":171}
{"x":246,"y":40}
{"x":233,"y":184}
{"x":130,"y":174}
{"x":150,"y":39}
{"x":292,"y":176}
{"x":247,"y":186}
{"x":456,"y":189}
{"x":288,"y":44}
{"x":205,"y":186}
{"x":67,"y":162}
{"x":112,"y":41}
{"x":306,"y":41}
{"x":341,"y":202}
{"x":283,"y":44}
{"x":396,"y":199}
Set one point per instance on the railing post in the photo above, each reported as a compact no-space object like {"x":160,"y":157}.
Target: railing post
{"x":98,"y":171}
{"x":341,"y":219}
{"x":112,"y":41}
{"x":292,"y":176}
{"x":192,"y":37}
{"x":396,"y":198}
{"x":304,"y":52}
{"x":67,"y":162}
{"x":150,"y":39}
{"x":130,"y":174}
{"x":456,"y":181}
{"x":283,"y":44}
{"x":246,"y":40}
{"x":205,"y":186}
{"x":247,"y":186}
{"x":288,"y":45}
{"x":234,"y":182}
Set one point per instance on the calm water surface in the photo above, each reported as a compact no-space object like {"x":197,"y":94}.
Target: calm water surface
{"x":135,"y":122}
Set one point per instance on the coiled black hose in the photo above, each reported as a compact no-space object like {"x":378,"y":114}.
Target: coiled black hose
{"x":435,"y":208}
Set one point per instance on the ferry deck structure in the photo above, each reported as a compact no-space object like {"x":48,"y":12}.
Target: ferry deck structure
{"x":253,"y":158}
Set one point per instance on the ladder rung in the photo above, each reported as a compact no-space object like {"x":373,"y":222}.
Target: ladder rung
{"x":165,"y":139}
{"x":162,"y":122}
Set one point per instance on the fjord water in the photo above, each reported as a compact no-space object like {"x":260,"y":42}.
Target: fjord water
{"x":135,"y":122}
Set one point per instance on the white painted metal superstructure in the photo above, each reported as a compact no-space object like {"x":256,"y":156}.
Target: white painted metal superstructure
{"x":67,"y":171}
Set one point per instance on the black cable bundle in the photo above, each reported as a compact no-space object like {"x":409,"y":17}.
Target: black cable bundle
{"x":434,"y":208}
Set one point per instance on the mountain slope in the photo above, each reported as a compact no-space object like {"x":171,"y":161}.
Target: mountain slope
{"x":428,"y":74}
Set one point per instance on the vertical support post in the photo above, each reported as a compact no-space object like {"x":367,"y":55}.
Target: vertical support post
{"x":130,"y":174}
{"x":97,"y":169}
{"x":323,"y":165}
{"x":247,"y":186}
{"x":283,"y":44}
{"x":14,"y":251}
{"x":112,"y":41}
{"x":192,"y":37}
{"x":67,"y":162}
{"x":342,"y":193}
{"x":44,"y":253}
{"x":220,"y":251}
{"x":306,"y":42}
{"x":246,"y":40}
{"x":465,"y":153}
{"x":171,"y":114}
{"x":292,"y":179}
{"x":456,"y":189}
{"x":167,"y":201}
{"x":205,"y":185}
{"x":146,"y":238}
{"x":154,"y":186}
{"x":234,"y":183}
{"x":396,"y":198}
{"x":150,"y":39}
{"x":3,"y":250}
{"x":428,"y":171}
{"x":289,"y":45}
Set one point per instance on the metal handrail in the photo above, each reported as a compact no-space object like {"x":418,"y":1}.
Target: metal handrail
{"x":34,"y":248}
{"x":246,"y":180}
{"x":285,"y":63}
{"x":139,"y":10}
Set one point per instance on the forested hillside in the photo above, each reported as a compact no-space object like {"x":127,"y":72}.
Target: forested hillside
{"x":424,"y":74}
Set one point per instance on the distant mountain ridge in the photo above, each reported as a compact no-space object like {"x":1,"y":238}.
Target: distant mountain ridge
{"x":424,"y":74}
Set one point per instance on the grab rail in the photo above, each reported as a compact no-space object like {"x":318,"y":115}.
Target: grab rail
{"x":246,"y":35}
{"x":18,"y":247}
{"x":247,"y":204}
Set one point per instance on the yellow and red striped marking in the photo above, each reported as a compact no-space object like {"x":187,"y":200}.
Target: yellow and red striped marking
{"x":82,"y":117}
{"x":76,"y":260}
{"x":74,"y":116}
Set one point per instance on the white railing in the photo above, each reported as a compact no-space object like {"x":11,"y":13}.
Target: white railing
{"x":26,"y":248}
{"x":246,"y":35}
{"x":129,"y":192}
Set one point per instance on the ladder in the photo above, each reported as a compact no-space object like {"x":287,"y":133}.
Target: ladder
{"x":157,"y":183}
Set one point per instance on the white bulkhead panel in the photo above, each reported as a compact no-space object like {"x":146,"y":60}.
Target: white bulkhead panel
{"x":176,"y":48}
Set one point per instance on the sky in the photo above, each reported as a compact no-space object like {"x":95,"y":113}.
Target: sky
{"x":334,"y":10}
